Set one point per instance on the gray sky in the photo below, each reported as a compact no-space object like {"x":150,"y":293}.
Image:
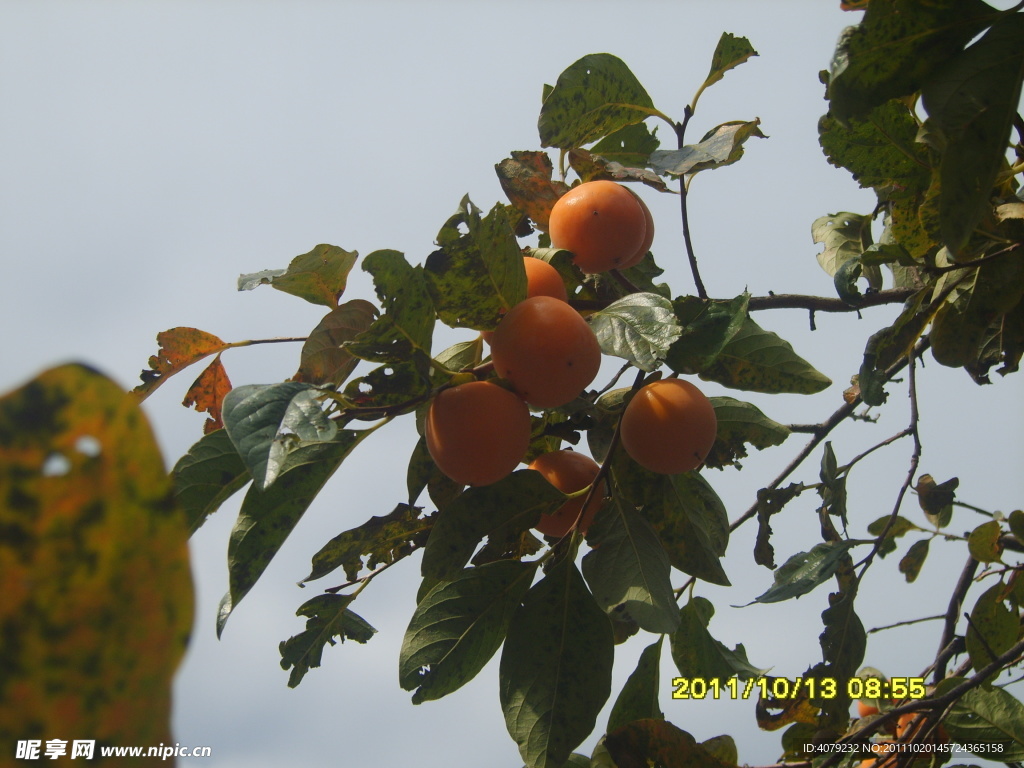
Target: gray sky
{"x":151,"y":152}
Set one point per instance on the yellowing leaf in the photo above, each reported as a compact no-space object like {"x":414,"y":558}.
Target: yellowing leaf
{"x":179,"y":348}
{"x":207,"y":393}
{"x":526,"y":180}
{"x":94,"y":570}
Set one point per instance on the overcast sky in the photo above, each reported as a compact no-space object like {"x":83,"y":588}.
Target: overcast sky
{"x":150,"y":152}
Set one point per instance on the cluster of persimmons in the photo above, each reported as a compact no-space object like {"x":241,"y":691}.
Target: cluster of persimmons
{"x":545,"y":355}
{"x":909,"y":726}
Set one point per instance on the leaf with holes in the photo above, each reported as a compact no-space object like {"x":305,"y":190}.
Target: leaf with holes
{"x":477,"y":273}
{"x":319,"y":276}
{"x":328,"y":617}
{"x":594,"y":97}
{"x":96,"y":583}
{"x":805,"y":571}
{"x":740,"y":424}
{"x":179,"y":348}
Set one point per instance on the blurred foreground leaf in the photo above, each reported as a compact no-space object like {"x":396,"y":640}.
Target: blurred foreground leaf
{"x":95,"y":578}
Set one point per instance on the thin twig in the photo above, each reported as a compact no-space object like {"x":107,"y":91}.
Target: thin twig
{"x":915,"y":460}
{"x":906,"y":623}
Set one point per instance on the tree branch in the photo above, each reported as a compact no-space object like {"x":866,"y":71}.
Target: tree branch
{"x":680,"y":139}
{"x":826,"y":304}
{"x":956,"y":600}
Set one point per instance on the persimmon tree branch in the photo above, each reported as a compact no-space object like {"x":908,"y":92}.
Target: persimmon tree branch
{"x":956,"y":600}
{"x":690,"y":254}
{"x":822,"y":430}
{"x":827,"y":304}
{"x":915,"y":459}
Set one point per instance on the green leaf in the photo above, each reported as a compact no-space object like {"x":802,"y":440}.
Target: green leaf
{"x":400,"y":387}
{"x":458,"y":626}
{"x":638,"y":699}
{"x":845,"y":237}
{"x":896,"y":47}
{"x":887,"y":346}
{"x":730,"y":52}
{"x":205,"y":477}
{"x":629,"y":571}
{"x":993,"y":629}
{"x":936,"y":499}
{"x":385,"y":539}
{"x":1016,"y":521}
{"x":594,"y":97}
{"x":900,"y":527}
{"x":987,"y":716}
{"x":833,"y":485}
{"x":328,"y":618}
{"x":324,"y":360}
{"x":630,"y":146}
{"x":684,"y":510}
{"x":268,"y":422}
{"x":97,"y":594}
{"x":843,"y":644}
{"x":514,"y":504}
{"x":757,"y":360}
{"x":740,"y":423}
{"x":770,"y":501}
{"x":697,"y":654}
{"x":477,"y":273}
{"x":319,"y":276}
{"x":982,"y":299}
{"x":913,"y":561}
{"x":407,"y":325}
{"x":972,"y":99}
{"x":721,"y":146}
{"x":268,"y":516}
{"x":707,"y":327}
{"x":639,"y":328}
{"x":556,"y":667}
{"x":724,"y":748}
{"x":805,"y":571}
{"x":658,"y":743}
{"x":881,"y":151}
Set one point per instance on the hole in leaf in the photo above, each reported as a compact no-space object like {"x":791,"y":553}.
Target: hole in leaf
{"x":56,"y":465}
{"x":89,"y":446}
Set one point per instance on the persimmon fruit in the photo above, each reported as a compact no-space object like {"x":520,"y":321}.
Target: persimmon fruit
{"x":668,"y":426}
{"x":543,"y":280}
{"x":601,"y":223}
{"x":886,"y":755}
{"x":546,"y":350}
{"x":645,"y":246}
{"x":569,"y":472}
{"x":866,"y":710}
{"x":477,"y":432}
